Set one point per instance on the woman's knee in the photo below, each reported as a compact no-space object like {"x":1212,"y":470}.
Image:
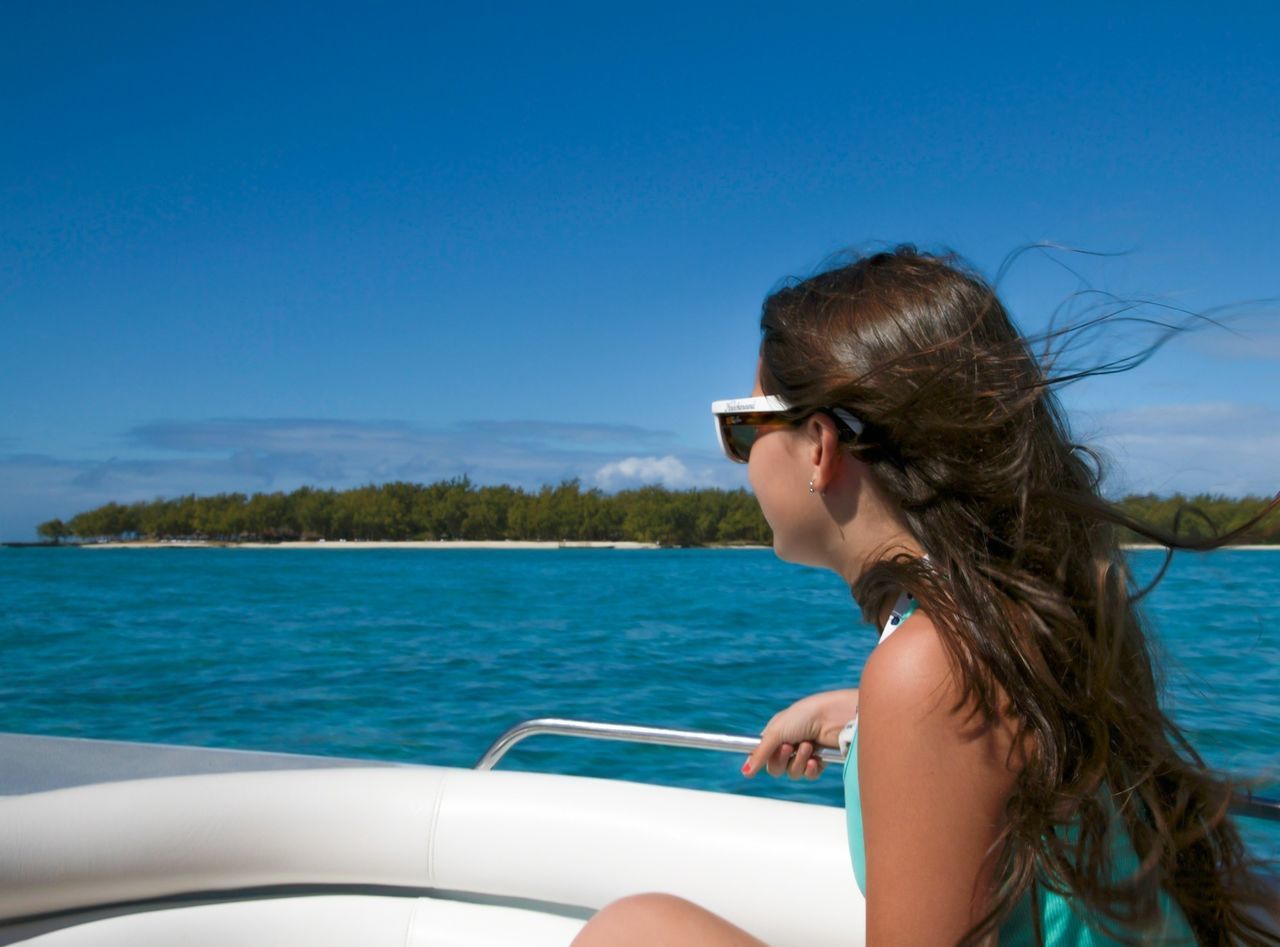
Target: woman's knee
{"x":653,"y":902}
{"x":652,"y":906}
{"x":640,"y":918}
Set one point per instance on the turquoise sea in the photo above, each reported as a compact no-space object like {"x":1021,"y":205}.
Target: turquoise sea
{"x":428,"y":655}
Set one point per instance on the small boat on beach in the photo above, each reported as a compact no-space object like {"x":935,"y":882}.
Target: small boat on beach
{"x":113,"y":843}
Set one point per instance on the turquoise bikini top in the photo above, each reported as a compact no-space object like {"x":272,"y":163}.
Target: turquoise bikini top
{"x":1061,"y":924}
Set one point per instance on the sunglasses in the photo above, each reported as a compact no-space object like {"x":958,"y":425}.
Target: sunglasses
{"x":741,"y":421}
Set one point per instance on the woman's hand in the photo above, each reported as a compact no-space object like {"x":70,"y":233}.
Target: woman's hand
{"x":792,"y":735}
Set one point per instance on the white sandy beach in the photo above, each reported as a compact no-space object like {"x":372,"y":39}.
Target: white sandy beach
{"x":369,"y":544}
{"x":473,"y":544}
{"x":1253,"y":548}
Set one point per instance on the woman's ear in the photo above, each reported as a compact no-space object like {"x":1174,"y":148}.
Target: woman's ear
{"x":824,"y":452}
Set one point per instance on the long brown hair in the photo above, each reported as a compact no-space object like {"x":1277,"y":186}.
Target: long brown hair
{"x":1026,"y":583}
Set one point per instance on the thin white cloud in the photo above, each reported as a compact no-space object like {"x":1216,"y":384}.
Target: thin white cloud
{"x":305,"y":436}
{"x":1251,"y":347}
{"x":1210,"y":447}
{"x":1252,"y":335}
{"x":638,"y":471}
{"x":568,"y":431}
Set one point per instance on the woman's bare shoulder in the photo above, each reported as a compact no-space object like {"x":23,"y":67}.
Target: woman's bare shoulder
{"x":911,"y":678}
{"x":912,"y":682}
{"x":911,"y":669}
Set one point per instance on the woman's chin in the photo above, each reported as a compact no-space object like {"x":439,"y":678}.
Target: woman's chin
{"x":800,"y":553}
{"x":779,"y":546}
{"x":787,"y":552}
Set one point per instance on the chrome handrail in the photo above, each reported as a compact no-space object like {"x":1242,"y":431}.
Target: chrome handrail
{"x":1245,"y":803}
{"x":629,"y":733}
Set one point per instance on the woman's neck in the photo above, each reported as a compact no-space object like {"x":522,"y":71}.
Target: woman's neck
{"x":866,"y":528}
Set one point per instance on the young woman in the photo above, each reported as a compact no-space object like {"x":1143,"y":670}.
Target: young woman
{"x":1011,"y":776}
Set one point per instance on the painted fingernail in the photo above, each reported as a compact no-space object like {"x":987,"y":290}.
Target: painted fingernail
{"x":746,"y":768}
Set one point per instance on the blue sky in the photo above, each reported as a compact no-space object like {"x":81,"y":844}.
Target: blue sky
{"x":251,"y":247}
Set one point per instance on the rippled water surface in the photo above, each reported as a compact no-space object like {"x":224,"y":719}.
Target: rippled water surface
{"x":427,"y":655}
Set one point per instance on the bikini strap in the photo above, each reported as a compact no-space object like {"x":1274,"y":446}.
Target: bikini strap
{"x":902,"y":609}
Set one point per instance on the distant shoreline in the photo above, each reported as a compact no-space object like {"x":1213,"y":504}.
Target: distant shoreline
{"x":403,"y":544}
{"x":461,"y":544}
{"x":1248,"y":547}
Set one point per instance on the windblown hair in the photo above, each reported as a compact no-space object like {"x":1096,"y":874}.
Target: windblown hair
{"x":1026,"y":584}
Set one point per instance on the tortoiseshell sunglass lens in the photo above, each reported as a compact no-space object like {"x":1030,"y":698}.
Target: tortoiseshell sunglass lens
{"x":740,"y":437}
{"x":741,"y":431}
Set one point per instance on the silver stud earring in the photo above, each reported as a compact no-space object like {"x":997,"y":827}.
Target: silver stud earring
{"x":810,"y":486}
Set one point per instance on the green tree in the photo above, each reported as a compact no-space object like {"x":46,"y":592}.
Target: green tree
{"x":54,"y":530}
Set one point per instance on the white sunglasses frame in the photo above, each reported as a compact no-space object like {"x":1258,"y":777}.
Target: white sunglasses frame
{"x":767,"y":404}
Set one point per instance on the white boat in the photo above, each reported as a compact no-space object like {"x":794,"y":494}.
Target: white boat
{"x":108,"y":843}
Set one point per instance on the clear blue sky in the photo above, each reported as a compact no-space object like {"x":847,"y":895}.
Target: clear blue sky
{"x":248,"y":247}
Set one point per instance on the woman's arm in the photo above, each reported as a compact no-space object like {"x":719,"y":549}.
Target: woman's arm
{"x":934,"y":781}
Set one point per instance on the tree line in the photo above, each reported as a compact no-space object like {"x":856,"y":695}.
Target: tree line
{"x":459,"y":509}
{"x":1204,"y":516}
{"x":450,"y":509}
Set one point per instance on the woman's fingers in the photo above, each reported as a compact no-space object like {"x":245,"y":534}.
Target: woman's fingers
{"x":798,"y":762}
{"x":777,"y":762}
{"x":803,"y":755}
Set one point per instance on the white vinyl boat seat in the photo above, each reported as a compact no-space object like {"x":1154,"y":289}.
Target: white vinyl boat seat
{"x":406,"y":855}
{"x":313,"y":921}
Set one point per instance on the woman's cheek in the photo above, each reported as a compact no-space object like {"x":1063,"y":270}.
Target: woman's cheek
{"x":760,"y":488}
{"x":775,"y":517}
